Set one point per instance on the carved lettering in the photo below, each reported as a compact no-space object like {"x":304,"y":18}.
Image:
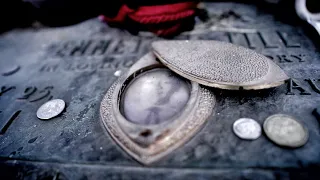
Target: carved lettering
{"x":101,"y":47}
{"x":229,"y":37}
{"x":250,"y":45}
{"x":12,"y":71}
{"x":5,"y":89}
{"x":246,"y":39}
{"x":82,"y":66}
{"x":313,"y":85}
{"x":48,"y":68}
{"x":264,"y":41}
{"x":283,"y":58}
{"x":242,"y":39}
{"x":32,"y":91}
{"x":93,"y":48}
{"x":284,"y":38}
{"x":9,"y":122}
{"x":45,"y":93}
{"x":291,"y":58}
{"x":80,"y":48}
{"x":107,"y":65}
{"x":299,"y":57}
{"x":65,"y":49}
{"x":108,"y":62}
{"x":129,"y":46}
{"x":69,"y":67}
{"x":28,"y":92}
{"x":293,"y":85}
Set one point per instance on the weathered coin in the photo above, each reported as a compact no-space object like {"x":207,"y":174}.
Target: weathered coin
{"x":51,"y":109}
{"x":284,"y":130}
{"x":246,"y":128}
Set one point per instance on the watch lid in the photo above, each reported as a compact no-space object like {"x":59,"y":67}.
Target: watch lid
{"x":219,"y":64}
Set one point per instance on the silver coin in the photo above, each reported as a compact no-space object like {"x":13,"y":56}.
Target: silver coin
{"x":246,"y":128}
{"x":51,"y":109}
{"x":284,"y":130}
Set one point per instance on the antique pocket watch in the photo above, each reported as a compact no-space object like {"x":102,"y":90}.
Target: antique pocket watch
{"x":159,"y":103}
{"x":150,"y":110}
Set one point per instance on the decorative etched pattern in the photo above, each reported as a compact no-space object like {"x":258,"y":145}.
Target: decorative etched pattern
{"x":213,"y":61}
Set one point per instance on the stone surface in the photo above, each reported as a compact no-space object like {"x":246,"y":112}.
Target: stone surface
{"x":56,"y":62}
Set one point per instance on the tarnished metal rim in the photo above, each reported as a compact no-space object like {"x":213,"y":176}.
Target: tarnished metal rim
{"x":190,"y":122}
{"x":120,"y":89}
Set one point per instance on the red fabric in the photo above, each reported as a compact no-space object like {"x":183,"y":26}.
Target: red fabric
{"x":163,"y":13}
{"x":121,"y":16}
{"x":167,"y":31}
{"x":162,"y":17}
{"x":158,"y":14}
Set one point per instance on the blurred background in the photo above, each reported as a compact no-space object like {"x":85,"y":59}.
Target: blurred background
{"x":163,"y":17}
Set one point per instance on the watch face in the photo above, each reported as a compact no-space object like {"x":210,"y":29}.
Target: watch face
{"x":219,"y":64}
{"x":150,"y":110}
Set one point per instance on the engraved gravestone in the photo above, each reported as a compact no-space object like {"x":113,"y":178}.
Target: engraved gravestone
{"x":77,"y":64}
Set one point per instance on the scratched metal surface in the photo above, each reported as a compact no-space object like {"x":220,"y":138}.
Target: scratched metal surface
{"x":77,"y":64}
